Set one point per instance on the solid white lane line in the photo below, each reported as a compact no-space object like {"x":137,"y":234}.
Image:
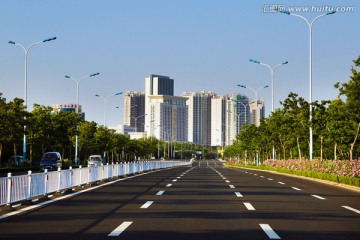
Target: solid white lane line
{"x":317,"y":196}
{"x":160,"y":193}
{"x":231,"y":186}
{"x":175,"y":180}
{"x":238,"y":194}
{"x":224,"y":178}
{"x":120,"y":229}
{"x":352,"y":209}
{"x":281,"y":183}
{"x":268,"y":230}
{"x":147,"y":204}
{"x":270,"y":179}
{"x":249,"y":206}
{"x":295,"y":188}
{"x":227,"y":181}
{"x":169,"y":185}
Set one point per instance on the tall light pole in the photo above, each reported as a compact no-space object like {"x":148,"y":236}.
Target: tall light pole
{"x":136,"y":118}
{"x":118,"y":107}
{"x":105,"y":103}
{"x":310,"y":24}
{"x":272,"y":88}
{"x":26,"y":50}
{"x":272,"y":77}
{"x":77,"y":81}
{"x":256,"y":97}
{"x":238,"y":120}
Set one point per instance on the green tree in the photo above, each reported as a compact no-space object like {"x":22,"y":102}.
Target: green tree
{"x":351,"y":90}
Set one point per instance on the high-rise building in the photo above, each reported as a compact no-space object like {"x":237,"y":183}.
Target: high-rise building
{"x":134,"y":110}
{"x":166,"y":114}
{"x":237,"y":113}
{"x":167,"y":117}
{"x":199,"y":120}
{"x":159,"y":85}
{"x":218,"y":121}
{"x":257,"y":111}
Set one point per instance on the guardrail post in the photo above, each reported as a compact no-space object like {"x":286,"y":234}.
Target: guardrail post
{"x":71,"y":175}
{"x":9,"y":187}
{"x":29,"y":185}
{"x":80,"y":174}
{"x":46,"y":178}
{"x":59,"y":179}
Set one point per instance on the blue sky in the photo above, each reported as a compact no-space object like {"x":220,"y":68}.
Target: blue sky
{"x":204,"y":45}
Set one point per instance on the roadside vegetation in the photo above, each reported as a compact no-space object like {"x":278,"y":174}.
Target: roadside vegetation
{"x":335,"y":124}
{"x":336,"y":127}
{"x":47,"y":130}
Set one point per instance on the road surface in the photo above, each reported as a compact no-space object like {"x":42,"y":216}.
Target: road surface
{"x":202,"y":201}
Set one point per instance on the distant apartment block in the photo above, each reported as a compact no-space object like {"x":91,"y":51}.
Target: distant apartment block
{"x":166,"y":114}
{"x":257,"y":111}
{"x":134,"y":110}
{"x":218,"y":121}
{"x":199,"y":120}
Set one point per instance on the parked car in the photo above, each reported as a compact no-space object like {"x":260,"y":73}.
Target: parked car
{"x":94,"y":160}
{"x":50,"y":161}
{"x":17,"y":160}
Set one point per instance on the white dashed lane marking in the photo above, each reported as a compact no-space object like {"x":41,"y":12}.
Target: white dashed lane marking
{"x":249,"y":206}
{"x":231,"y":186}
{"x":147,"y":204}
{"x":268,"y":230}
{"x":238,"y":194}
{"x":120,"y":229}
{"x":281,"y":183}
{"x":160,"y":193}
{"x":317,"y":196}
{"x":295,"y":188}
{"x":169,"y":185}
{"x":351,"y":209}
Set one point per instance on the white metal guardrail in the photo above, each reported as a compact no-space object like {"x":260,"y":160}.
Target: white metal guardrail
{"x":25,"y":187}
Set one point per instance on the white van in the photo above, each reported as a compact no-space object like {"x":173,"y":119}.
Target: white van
{"x":94,"y":160}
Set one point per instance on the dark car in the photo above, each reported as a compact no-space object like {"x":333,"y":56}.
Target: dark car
{"x":50,"y":161}
{"x":17,"y":160}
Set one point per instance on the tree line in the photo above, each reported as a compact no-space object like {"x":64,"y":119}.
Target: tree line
{"x":335,"y":124}
{"x":47,"y":130}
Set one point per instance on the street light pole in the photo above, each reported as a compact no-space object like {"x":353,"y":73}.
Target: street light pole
{"x":256,"y":97}
{"x":77,"y":81}
{"x":105,"y":103}
{"x":310,"y":24}
{"x":26,"y":50}
{"x":136,"y":118}
{"x":272,"y":88}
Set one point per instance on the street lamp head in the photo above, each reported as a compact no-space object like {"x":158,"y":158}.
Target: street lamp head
{"x":266,"y":86}
{"x":332,"y":12}
{"x":11,"y":42}
{"x":229,"y":111}
{"x":285,"y":62}
{"x":254,"y":61}
{"x":67,"y":76}
{"x":49,"y":39}
{"x":119,"y":93}
{"x":97,"y":95}
{"x":92,"y":75}
{"x":241,"y":86}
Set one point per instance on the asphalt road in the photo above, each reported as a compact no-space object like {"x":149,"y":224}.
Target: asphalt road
{"x":204,"y":201}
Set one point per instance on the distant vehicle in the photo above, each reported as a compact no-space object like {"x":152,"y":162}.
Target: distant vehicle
{"x":94,"y":160}
{"x":50,"y":161}
{"x":17,"y":160}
